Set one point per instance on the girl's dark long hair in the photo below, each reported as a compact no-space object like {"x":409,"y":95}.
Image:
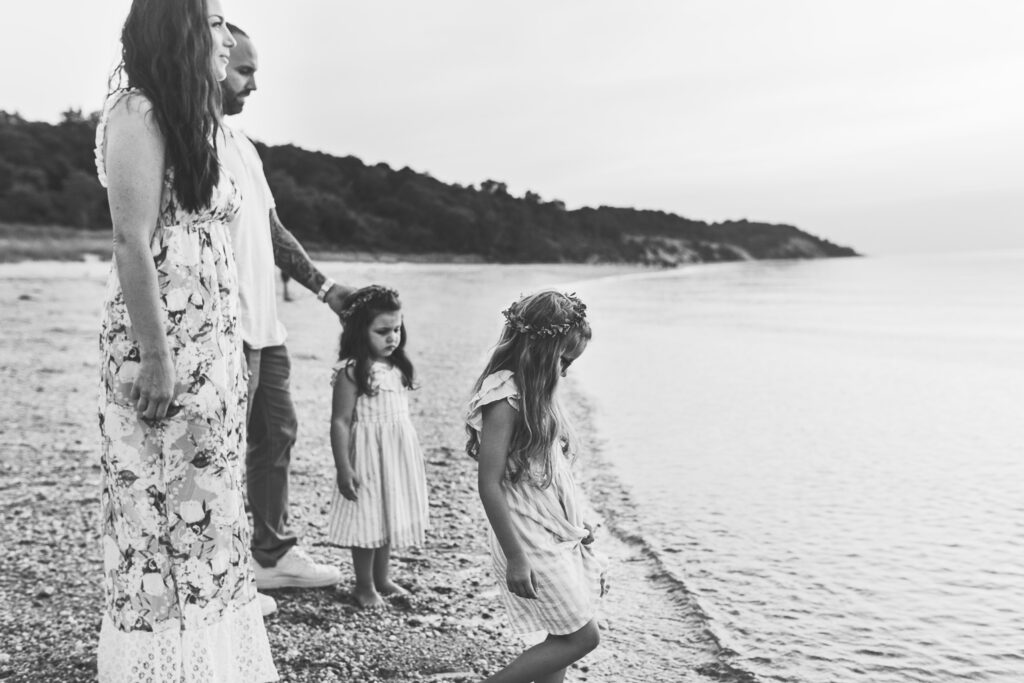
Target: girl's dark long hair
{"x":535,"y":362}
{"x":364,"y":305}
{"x":166,"y":48}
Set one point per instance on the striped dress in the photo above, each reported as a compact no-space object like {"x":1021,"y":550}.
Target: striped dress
{"x":550,"y":528}
{"x":392,"y":502}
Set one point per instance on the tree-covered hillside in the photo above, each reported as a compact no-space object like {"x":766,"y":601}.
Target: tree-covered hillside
{"x":48,"y":172}
{"x":47,"y":177}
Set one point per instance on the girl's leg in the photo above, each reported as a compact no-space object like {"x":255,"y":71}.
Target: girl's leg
{"x":381,"y":571}
{"x":363,"y":562}
{"x":547,"y":661}
{"x":556,"y":677}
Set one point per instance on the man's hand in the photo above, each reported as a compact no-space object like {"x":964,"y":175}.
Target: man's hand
{"x":335,"y":297}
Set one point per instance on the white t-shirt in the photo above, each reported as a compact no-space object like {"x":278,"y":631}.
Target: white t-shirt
{"x":254,"y":250}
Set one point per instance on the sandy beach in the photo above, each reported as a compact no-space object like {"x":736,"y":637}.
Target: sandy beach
{"x":451,"y":629}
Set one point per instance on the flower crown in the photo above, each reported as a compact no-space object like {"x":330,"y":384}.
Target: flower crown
{"x":575,"y":316}
{"x":364,"y":296}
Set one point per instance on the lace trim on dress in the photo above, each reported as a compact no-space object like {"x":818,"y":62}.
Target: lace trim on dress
{"x":233,"y":650}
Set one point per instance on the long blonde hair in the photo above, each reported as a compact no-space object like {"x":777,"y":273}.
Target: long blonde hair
{"x":540,"y":329}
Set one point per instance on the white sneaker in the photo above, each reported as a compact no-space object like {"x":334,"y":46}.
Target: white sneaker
{"x":268,"y":605}
{"x":296,"y":570}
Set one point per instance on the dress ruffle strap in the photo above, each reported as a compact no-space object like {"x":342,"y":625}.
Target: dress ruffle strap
{"x":101,"y":132}
{"x":497,"y":386}
{"x":339,"y":366}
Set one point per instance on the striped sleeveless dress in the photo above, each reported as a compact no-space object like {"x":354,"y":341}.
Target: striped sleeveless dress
{"x":392,"y":504}
{"x":550,"y":527}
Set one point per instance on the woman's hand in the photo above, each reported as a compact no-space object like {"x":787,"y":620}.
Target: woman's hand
{"x":520,"y":579}
{"x":348,"y":484}
{"x":153,"y":389}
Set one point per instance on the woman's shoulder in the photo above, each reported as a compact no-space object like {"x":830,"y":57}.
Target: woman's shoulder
{"x":124,"y":109}
{"x":132,"y":113}
{"x":130,"y":102}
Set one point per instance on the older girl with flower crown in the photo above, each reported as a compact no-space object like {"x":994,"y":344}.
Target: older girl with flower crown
{"x":549,"y":578}
{"x":381,"y":496}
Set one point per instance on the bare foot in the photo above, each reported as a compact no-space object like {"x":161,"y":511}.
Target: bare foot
{"x":389,"y":588}
{"x":369,"y":599}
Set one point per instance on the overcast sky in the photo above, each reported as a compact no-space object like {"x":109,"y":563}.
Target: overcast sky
{"x":886,"y":125}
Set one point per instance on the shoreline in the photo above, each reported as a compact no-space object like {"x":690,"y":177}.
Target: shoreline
{"x":20,"y":243}
{"x":451,"y":629}
{"x":675,"y":632}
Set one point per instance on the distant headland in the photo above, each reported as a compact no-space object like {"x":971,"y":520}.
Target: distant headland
{"x":48,"y":189}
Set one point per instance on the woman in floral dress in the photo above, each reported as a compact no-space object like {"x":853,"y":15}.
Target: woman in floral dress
{"x":180,"y":598}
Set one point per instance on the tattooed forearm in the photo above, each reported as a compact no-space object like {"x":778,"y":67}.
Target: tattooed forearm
{"x":291,"y":258}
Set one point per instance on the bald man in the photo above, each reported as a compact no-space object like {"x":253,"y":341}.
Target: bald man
{"x":261,"y":242}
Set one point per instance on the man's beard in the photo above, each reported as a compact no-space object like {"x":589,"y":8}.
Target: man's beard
{"x":231,"y":104}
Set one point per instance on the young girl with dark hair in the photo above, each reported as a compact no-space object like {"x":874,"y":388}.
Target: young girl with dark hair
{"x":548,"y":576}
{"x":381,"y":498}
{"x":180,"y":600}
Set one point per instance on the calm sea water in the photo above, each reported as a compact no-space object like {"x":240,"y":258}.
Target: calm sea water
{"x":829,"y":455}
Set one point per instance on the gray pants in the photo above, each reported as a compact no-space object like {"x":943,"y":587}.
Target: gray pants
{"x":272,"y":430}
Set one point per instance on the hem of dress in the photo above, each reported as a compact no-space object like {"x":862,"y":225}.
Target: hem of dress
{"x":373,"y":545}
{"x":542,"y":632}
{"x":234,"y":649}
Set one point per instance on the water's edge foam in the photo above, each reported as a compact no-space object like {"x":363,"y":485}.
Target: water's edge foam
{"x":613,"y":501}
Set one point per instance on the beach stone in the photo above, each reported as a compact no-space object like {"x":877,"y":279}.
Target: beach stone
{"x":318,"y":634}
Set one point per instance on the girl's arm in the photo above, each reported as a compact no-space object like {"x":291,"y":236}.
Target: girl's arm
{"x":134,"y":160}
{"x":495,"y":437}
{"x":342,"y":408}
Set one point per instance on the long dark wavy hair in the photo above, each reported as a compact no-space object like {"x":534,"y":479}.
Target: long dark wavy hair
{"x":361,"y":307}
{"x":540,"y":330}
{"x":165,"y":54}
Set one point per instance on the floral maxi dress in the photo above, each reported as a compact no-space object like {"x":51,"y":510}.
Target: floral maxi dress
{"x":180,"y":600}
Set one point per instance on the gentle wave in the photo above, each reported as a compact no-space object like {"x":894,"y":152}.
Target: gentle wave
{"x":618,"y":508}
{"x":822,"y":457}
